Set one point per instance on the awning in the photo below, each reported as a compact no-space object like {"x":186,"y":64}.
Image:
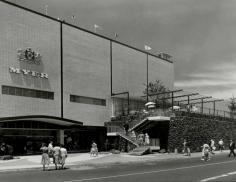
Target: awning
{"x":149,"y":122}
{"x":43,"y":118}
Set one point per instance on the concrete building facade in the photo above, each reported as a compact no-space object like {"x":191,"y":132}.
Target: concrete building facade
{"x":54,"y":72}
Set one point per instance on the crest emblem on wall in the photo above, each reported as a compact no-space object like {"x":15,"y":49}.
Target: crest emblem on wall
{"x":29,"y":56}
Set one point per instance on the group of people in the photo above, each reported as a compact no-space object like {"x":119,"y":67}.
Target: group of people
{"x":210,"y":148}
{"x":58,"y":153}
{"x":143,"y":139}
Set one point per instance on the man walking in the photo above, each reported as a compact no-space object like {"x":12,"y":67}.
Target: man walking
{"x":186,"y":148}
{"x":212,"y":146}
{"x":231,"y":148}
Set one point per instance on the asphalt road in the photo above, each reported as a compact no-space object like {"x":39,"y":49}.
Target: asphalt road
{"x":219,"y":168}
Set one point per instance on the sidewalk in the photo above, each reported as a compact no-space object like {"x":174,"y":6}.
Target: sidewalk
{"x":85,"y":161}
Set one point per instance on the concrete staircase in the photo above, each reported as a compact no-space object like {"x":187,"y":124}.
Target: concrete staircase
{"x":141,"y":151}
{"x":129,"y":139}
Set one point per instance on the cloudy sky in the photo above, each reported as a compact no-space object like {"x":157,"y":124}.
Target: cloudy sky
{"x":199,"y":34}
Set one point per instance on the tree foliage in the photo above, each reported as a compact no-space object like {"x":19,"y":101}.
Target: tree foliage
{"x":157,"y":87}
{"x":232,"y":104}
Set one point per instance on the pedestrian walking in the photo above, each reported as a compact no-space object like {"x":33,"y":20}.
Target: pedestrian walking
{"x":45,"y":158}
{"x":133,"y":136}
{"x":126,"y":127}
{"x":205,"y":152}
{"x":50,"y":150}
{"x":56,"y":154}
{"x":212,"y":146}
{"x":186,"y":148}
{"x":146,"y":139}
{"x":63,"y":156}
{"x":231,"y":148}
{"x":94,"y":149}
{"x":221,"y":145}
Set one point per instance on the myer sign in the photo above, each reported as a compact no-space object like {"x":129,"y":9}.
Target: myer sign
{"x":31,"y":57}
{"x":28,"y":72}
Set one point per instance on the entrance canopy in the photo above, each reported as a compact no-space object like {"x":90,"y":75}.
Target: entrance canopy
{"x":42,"y":118}
{"x":149,"y":122}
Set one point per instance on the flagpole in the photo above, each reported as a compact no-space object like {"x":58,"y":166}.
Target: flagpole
{"x":46,"y":9}
{"x":95,"y":28}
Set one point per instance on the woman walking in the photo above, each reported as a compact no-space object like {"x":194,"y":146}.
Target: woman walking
{"x":45,"y":158}
{"x":205,"y":152}
{"x":63,"y":153}
{"x":56,"y":154}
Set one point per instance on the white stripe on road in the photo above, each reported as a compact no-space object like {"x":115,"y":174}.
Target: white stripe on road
{"x":149,"y":172}
{"x":213,"y":178}
{"x":221,"y":176}
{"x":231,"y":173}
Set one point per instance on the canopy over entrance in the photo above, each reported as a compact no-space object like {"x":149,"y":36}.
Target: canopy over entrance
{"x":149,"y":122}
{"x":42,"y":118}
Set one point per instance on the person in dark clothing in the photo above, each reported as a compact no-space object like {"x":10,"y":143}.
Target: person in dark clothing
{"x":186,"y":148}
{"x":3,"y":149}
{"x":231,"y":148}
{"x":126,"y":127}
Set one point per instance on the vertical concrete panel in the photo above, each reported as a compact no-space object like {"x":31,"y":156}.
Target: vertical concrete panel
{"x":20,"y":29}
{"x":129,"y":70}
{"x":162,"y":70}
{"x":86,"y":73}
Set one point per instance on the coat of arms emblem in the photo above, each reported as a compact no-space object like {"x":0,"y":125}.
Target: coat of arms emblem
{"x":29,"y":55}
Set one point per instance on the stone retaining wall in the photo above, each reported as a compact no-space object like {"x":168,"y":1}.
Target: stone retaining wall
{"x":198,"y":131}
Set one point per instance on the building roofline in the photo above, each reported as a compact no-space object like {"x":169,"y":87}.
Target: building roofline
{"x":83,"y":29}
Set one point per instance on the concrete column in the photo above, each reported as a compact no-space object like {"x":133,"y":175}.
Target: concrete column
{"x":112,"y":107}
{"x":60,"y":136}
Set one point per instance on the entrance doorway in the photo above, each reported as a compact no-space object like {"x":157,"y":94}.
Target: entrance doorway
{"x":26,"y":141}
{"x":158,"y":134}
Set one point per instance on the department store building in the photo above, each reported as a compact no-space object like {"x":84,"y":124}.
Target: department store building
{"x":58,"y":80}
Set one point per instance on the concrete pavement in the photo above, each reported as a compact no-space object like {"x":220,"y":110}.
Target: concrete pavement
{"x":84,"y":160}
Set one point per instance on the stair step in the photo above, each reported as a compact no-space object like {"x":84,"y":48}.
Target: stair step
{"x":141,"y":151}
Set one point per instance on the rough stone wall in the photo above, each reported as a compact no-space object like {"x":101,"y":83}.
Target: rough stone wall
{"x":198,"y":131}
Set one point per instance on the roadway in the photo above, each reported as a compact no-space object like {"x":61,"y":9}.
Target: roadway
{"x":219,"y":168}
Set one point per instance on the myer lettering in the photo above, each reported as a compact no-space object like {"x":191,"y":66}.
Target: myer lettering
{"x":28,"y":72}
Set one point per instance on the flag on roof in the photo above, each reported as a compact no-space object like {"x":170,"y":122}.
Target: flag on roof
{"x":147,"y":48}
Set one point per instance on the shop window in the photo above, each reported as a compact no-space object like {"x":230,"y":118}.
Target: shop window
{"x":5,"y":90}
{"x":87,"y":100}
{"x":17,"y":91}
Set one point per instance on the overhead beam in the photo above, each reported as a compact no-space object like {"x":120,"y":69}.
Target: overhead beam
{"x":180,"y":96}
{"x":180,"y":90}
{"x":194,"y":99}
{"x":208,"y":101}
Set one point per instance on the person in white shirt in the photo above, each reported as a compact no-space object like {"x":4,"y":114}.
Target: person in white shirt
{"x":212,"y":146}
{"x":63,"y":156}
{"x":205,"y":152}
{"x":56,"y":154}
{"x":221,"y":145}
{"x":50,"y":149}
